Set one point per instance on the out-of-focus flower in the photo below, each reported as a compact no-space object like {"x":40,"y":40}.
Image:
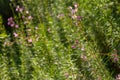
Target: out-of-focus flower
{"x":83,"y":57}
{"x":19,"y":9}
{"x":73,"y":47}
{"x":29,"y":17}
{"x":30,"y":40}
{"x":16,"y":26}
{"x":73,"y":11}
{"x":11,"y":22}
{"x":12,"y":25}
{"x":10,"y":19}
{"x":115,"y":57}
{"x":15,"y":34}
{"x":118,"y":77}
{"x":8,"y":23}
{"x":76,"y":5}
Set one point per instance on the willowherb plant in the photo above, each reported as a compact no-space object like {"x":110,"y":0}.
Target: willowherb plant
{"x":60,"y":40}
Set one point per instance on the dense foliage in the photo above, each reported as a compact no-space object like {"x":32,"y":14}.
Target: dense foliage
{"x":59,"y":40}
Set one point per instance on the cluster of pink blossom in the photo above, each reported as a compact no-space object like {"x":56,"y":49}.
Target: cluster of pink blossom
{"x":12,"y":23}
{"x":22,"y":10}
{"x":74,"y":11}
{"x":30,"y":40}
{"x":15,"y":34}
{"x":25,"y":16}
{"x":118,"y":77}
{"x":19,"y":9}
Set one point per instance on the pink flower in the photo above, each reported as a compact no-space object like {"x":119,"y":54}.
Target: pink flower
{"x":17,"y":8}
{"x":30,"y":40}
{"x":16,"y":26}
{"x":76,"y":5}
{"x":115,"y":57}
{"x":15,"y":34}
{"x":21,"y":10}
{"x":73,"y":47}
{"x":29,"y":17}
{"x":12,"y":25}
{"x":8,"y":23}
{"x":73,"y":11}
{"x":10,"y":19}
{"x":118,"y":77}
{"x":11,"y":22}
